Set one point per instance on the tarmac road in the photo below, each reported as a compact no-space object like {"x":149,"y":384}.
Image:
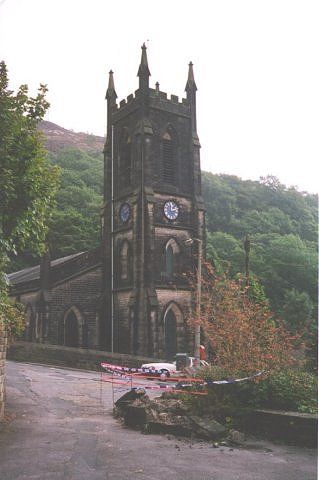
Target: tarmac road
{"x":59,"y":425}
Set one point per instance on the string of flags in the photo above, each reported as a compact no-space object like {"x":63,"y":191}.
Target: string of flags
{"x":125,"y":376}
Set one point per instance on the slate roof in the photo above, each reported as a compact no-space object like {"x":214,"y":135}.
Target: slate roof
{"x":33,"y":273}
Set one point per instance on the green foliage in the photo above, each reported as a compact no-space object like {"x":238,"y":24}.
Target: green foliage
{"x":12,"y":317}
{"x":72,"y":231}
{"x":283,"y":262}
{"x":256,"y":291}
{"x":75,"y":225}
{"x":27,"y":182}
{"x":288,"y":389}
{"x":246,"y":207}
{"x":27,"y":185}
{"x":224,"y":398}
{"x":297,"y":309}
{"x":79,"y":168}
{"x":282,"y":225}
{"x":225,"y":252}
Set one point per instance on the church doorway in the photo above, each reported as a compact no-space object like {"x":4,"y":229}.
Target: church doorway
{"x":170,"y":334}
{"x":71,"y":330}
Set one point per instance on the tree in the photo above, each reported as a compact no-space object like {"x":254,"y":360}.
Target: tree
{"x":241,"y":207}
{"x":240,"y":331}
{"x":225,"y":252}
{"x":71,"y":232}
{"x":27,"y":182}
{"x":75,"y":225}
{"x":297,"y":312}
{"x":284,"y":262}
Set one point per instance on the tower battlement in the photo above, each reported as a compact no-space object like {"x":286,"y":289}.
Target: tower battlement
{"x":153,"y":97}
{"x":157,"y":99}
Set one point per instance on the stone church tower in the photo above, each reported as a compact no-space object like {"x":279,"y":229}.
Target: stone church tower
{"x":152,"y":205}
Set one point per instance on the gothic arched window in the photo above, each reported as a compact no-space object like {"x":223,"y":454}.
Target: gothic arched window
{"x":169,"y":261}
{"x":74,"y":330}
{"x":169,"y":156}
{"x":71,"y":330}
{"x":29,"y":333}
{"x":172,"y":336}
{"x":125,"y":261}
{"x":171,"y":258}
{"x":125,"y":158}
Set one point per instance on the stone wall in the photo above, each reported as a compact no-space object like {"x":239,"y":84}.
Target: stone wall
{"x":62,"y":356}
{"x":3,"y":348}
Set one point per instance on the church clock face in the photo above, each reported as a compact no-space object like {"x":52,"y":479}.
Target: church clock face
{"x":171,"y":210}
{"x":125,"y":212}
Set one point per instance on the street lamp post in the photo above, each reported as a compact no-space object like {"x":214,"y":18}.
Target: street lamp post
{"x":190,"y":241}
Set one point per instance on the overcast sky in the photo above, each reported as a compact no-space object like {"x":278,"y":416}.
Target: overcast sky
{"x":255,"y":64}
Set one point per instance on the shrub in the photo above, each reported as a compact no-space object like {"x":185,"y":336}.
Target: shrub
{"x":229,"y":396}
{"x":12,"y":319}
{"x":287,"y":389}
{"x":239,"y":328}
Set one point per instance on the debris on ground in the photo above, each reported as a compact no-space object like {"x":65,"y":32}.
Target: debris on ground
{"x":172,"y":416}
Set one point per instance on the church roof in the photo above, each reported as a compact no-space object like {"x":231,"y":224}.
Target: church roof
{"x":33,"y":273}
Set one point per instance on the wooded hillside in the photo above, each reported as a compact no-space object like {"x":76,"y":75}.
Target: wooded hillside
{"x":281,"y":223}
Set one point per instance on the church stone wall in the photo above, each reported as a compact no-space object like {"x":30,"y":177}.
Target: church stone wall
{"x":29,"y":298}
{"x":82,"y":292}
{"x":121,"y":321}
{"x":183,"y":300}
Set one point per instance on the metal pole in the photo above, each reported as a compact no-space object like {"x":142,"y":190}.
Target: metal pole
{"x":198,"y":305}
{"x":112,"y":242}
{"x":190,"y":241}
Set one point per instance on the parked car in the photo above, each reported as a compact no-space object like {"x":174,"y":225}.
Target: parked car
{"x":169,"y":368}
{"x":160,"y":368}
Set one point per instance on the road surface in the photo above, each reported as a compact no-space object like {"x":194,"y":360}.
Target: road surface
{"x":59,"y":426}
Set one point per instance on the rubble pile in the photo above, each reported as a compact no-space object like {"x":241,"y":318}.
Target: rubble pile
{"x":171,"y":416}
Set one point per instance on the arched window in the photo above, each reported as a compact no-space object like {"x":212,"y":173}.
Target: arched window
{"x":29,"y":333}
{"x":74,"y":328}
{"x":125,"y":158}
{"x":71,"y":330}
{"x":170,"y":334}
{"x":169,"y":156}
{"x":171,"y":259}
{"x":173,"y":335}
{"x":125,"y":261}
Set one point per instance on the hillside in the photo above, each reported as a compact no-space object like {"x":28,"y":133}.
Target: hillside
{"x":280,"y":221}
{"x":58,"y":138}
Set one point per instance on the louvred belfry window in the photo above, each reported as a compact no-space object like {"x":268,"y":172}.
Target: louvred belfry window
{"x":125,"y":159}
{"x":169,"y":157}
